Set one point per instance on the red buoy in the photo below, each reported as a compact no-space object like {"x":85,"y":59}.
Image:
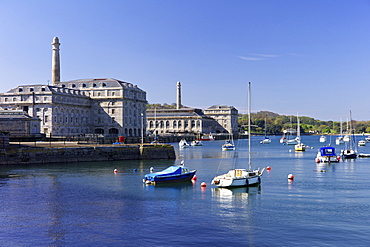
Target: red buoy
{"x":115,"y":170}
{"x":268,"y":168}
{"x":194,"y":178}
{"x":291,"y":176}
{"x":203,"y":184}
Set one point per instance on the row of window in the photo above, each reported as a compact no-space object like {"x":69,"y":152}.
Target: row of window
{"x":175,"y":124}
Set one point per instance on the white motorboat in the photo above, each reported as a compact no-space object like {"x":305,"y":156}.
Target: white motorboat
{"x":322,"y":139}
{"x":361,"y":143}
{"x":183,"y":144}
{"x":196,"y":143}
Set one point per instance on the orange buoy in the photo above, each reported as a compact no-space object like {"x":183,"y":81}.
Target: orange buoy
{"x":291,"y":176}
{"x":194,"y":178}
{"x":203,"y":184}
{"x":268,"y":168}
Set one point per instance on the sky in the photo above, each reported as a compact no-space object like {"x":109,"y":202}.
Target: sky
{"x":310,"y":57}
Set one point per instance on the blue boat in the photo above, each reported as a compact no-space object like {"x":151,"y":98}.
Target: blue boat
{"x":327,"y":154}
{"x":171,"y":174}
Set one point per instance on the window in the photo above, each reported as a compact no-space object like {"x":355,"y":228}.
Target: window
{"x":112,"y":111}
{"x":46,"y":119}
{"x":6,"y":99}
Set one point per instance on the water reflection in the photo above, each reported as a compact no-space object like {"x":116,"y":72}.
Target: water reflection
{"x":230,"y":194}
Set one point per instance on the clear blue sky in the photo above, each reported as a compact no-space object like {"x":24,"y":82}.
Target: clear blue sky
{"x":310,"y":57}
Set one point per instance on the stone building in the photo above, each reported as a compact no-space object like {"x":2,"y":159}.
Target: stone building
{"x":103,"y":106}
{"x":216,"y":119}
{"x":18,"y":124}
{"x":226,"y":117}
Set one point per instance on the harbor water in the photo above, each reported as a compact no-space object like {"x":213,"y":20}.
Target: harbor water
{"x":87,"y":204}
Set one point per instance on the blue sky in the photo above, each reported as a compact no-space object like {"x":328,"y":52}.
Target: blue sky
{"x":310,"y":57}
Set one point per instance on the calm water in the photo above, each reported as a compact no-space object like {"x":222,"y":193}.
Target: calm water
{"x":86,"y":204}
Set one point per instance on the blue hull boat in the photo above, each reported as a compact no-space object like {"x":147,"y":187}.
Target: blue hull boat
{"x":171,"y":174}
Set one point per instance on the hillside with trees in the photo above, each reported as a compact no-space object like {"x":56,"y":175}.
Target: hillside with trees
{"x":276,"y":123}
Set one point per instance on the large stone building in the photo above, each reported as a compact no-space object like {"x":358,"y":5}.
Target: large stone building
{"x":105,"y":106}
{"x":215,"y":119}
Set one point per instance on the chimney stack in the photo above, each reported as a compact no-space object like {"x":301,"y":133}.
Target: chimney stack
{"x":178,"y":103}
{"x":55,"y":64}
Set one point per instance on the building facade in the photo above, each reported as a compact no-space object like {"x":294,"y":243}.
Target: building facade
{"x":90,"y":106}
{"x":105,"y":106}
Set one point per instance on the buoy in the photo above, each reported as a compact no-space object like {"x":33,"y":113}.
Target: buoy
{"x":135,"y":170}
{"x":203,"y":184}
{"x":194,"y":178}
{"x":291,"y":176}
{"x":115,"y":170}
{"x":268,"y":168}
{"x":317,"y":160}
{"x":151,"y":169}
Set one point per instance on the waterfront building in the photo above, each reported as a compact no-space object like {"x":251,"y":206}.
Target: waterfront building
{"x":216,"y":119}
{"x":104,"y":106}
{"x":226,"y":117}
{"x":18,"y":124}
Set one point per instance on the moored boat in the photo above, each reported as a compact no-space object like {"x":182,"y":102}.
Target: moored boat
{"x":327,"y":154}
{"x":196,"y":143}
{"x":171,"y":174}
{"x":183,"y":144}
{"x":299,"y":147}
{"x":266,"y":140}
{"x":207,"y":138}
{"x":322,"y":139}
{"x":228,"y":146}
{"x":241,"y":177}
{"x":361,"y":143}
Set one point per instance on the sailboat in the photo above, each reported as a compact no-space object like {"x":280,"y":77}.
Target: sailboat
{"x":266,"y":140}
{"x":241,"y":177}
{"x":299,"y":147}
{"x":350,"y":152}
{"x":229,"y":144}
{"x":291,"y":141}
{"x":339,"y":140}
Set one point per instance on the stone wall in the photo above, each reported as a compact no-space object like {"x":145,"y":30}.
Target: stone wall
{"x":30,"y":155}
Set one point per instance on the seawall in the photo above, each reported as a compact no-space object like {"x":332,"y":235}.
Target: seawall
{"x":42,"y":155}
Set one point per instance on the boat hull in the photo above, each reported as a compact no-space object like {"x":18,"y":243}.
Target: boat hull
{"x":161,"y":179}
{"x":238,"y":178}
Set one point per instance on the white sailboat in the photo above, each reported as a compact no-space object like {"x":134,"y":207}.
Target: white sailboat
{"x":241,"y":177}
{"x":229,"y":144}
{"x":266,"y":140}
{"x":299,"y":147}
{"x":291,"y":141}
{"x":339,"y":140}
{"x":350,"y":152}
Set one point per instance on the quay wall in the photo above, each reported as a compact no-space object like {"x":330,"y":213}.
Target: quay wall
{"x":44,"y":155}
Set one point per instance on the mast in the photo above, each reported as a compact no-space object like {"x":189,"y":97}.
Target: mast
{"x":249,"y":126}
{"x":298,"y":130}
